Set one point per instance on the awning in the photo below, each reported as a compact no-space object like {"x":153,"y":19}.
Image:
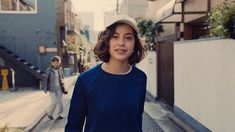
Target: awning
{"x":172,"y":12}
{"x":165,"y":11}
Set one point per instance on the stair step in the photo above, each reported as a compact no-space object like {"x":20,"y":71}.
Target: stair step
{"x":2,"y":47}
{"x":9,"y":52}
{"x":23,"y":60}
{"x":26,"y":63}
{"x":19,"y":58}
{"x":15,"y":56}
{"x":32,"y":67}
{"x":29,"y":64}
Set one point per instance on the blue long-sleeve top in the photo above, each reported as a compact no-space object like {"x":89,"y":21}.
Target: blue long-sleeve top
{"x":108,"y":102}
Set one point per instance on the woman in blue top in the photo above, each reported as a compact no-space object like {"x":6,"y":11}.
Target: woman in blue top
{"x":110,"y":97}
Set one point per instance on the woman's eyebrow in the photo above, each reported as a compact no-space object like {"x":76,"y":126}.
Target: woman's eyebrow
{"x":129,"y":34}
{"x":124,"y":34}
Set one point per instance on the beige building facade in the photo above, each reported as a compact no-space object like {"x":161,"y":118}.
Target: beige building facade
{"x":190,"y":14}
{"x":133,"y":8}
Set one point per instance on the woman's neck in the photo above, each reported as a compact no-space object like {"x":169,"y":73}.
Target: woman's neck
{"x":116,"y":68}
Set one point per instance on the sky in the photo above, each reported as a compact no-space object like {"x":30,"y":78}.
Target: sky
{"x":96,"y":6}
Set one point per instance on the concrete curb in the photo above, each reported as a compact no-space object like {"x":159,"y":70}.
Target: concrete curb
{"x":180,"y":123}
{"x":33,"y":125}
{"x":149,"y":97}
{"x":170,"y":115}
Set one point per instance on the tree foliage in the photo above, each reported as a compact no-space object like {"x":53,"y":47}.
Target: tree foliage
{"x":221,"y":20}
{"x":72,"y":47}
{"x":147,"y":30}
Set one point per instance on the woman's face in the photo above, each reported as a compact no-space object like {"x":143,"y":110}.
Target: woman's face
{"x":121,"y":44}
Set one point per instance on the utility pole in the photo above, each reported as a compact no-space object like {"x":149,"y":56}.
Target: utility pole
{"x":117,"y":7}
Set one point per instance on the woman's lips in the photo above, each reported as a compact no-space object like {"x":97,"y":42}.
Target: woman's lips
{"x":120,"y":51}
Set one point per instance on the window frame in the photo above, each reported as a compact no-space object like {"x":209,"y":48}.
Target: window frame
{"x":18,"y":11}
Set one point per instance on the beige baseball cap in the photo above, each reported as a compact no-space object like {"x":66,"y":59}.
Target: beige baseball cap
{"x":112,"y":19}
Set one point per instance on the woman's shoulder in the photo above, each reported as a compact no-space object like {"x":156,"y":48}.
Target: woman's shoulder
{"x":88,"y":77}
{"x":139,"y":72}
{"x":89,"y":73}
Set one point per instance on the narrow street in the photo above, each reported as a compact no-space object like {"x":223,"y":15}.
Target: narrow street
{"x":57,"y":125}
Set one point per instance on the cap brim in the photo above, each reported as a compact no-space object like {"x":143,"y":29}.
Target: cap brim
{"x":122,"y":19}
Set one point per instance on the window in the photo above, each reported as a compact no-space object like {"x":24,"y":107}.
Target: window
{"x":18,"y":6}
{"x":8,"y":5}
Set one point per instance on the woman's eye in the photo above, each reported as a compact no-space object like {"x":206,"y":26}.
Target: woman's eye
{"x":114,"y":36}
{"x":129,"y":37}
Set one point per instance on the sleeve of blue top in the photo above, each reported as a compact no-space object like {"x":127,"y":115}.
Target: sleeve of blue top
{"x":78,"y":108}
{"x":142,"y":102}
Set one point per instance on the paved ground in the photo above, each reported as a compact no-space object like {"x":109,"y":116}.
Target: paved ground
{"x":21,"y":108}
{"x":25,"y":110}
{"x":160,"y":115}
{"x":47,"y":125}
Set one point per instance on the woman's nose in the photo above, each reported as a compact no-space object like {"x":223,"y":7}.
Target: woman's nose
{"x":121,"y":41}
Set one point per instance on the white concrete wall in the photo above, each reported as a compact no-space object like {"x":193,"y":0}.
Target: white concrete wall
{"x":205,"y":82}
{"x":149,"y":66}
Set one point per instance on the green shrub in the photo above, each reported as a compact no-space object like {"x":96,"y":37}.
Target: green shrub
{"x":221,"y":20}
{"x":147,"y":30}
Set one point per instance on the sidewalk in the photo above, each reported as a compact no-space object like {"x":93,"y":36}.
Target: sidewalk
{"x":166,"y":120}
{"x":23,"y":109}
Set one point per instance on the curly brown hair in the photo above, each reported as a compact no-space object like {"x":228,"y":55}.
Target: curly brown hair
{"x":102,"y":47}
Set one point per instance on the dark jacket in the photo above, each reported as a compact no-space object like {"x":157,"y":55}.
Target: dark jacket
{"x":49,"y":82}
